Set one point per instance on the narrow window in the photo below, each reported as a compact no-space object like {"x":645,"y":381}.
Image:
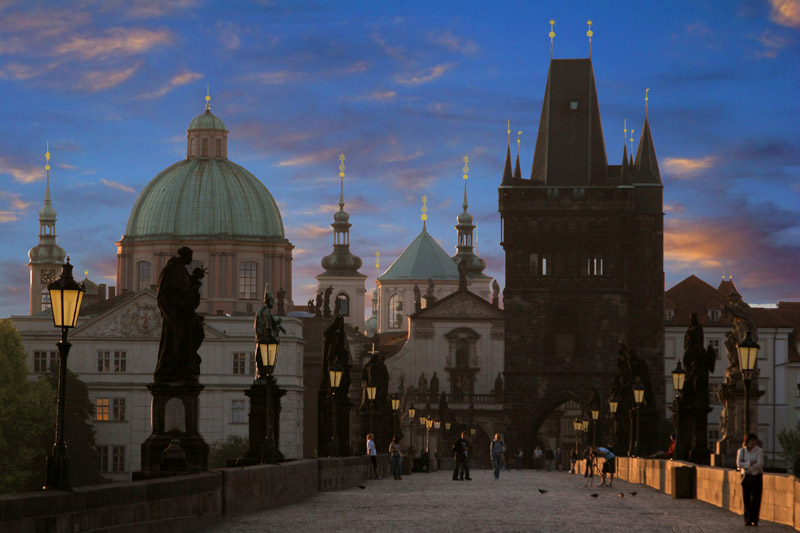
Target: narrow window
{"x":344,"y":304}
{"x":247,"y":280}
{"x":103,"y":361}
{"x":237,"y":412}
{"x":118,"y":409}
{"x":143,"y":275}
{"x":219,"y":148}
{"x":193,"y":149}
{"x":533,"y":265}
{"x":118,"y":458}
{"x":205,"y":147}
{"x":101,"y":410}
{"x":239,"y":363}
{"x":102,"y":458}
{"x":396,"y":311}
{"x":120,"y":361}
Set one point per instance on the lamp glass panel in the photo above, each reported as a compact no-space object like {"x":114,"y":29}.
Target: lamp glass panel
{"x":395,"y":404}
{"x":411,"y":413}
{"x":638,"y":395}
{"x":612,"y":406}
{"x":447,"y":426}
{"x":585,"y":425}
{"x":55,"y":305}
{"x":678,"y":380}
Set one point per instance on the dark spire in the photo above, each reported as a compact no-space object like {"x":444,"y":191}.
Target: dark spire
{"x":626,"y":169}
{"x":507,"y":175}
{"x":646,"y":165}
{"x":517,"y":171}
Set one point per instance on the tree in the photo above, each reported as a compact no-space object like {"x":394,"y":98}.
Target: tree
{"x":789,"y":440}
{"x":230,"y":447}
{"x":27,"y":417}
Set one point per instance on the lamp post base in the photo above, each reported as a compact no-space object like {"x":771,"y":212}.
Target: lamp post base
{"x":58,"y":470}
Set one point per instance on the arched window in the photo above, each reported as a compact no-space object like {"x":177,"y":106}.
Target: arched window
{"x":193,"y":148}
{"x":462,"y":353}
{"x":396,"y":311}
{"x":344,"y":304}
{"x":205,"y":147}
{"x":247,"y":280}
{"x":218,"y":152}
{"x":143,"y":275}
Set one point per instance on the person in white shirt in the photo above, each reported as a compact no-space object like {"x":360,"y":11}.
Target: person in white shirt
{"x":372,"y":451}
{"x":750,"y":461}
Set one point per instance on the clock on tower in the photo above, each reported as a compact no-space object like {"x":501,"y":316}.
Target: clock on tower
{"x":48,"y":275}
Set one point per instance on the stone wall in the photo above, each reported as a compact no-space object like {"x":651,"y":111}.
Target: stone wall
{"x":181,"y":503}
{"x":718,"y":486}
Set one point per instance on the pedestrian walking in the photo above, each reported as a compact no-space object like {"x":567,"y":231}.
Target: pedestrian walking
{"x":519,"y":458}
{"x":609,"y":465}
{"x":496,"y":450}
{"x":461,"y":455}
{"x":589,"y":475}
{"x":549,"y":457}
{"x":573,"y":459}
{"x":750,"y":462}
{"x":373,"y":454}
{"x":397,"y":458}
{"x":538,"y":458}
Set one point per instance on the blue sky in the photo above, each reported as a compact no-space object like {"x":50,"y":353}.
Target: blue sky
{"x":405,"y":90}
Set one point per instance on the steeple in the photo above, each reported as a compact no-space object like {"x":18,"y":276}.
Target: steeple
{"x":341,"y":262}
{"x":465,"y":228}
{"x":626,"y":169}
{"x":507,"y":174}
{"x":646,"y":165}
{"x":517,"y":171}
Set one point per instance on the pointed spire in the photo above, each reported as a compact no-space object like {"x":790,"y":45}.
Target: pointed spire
{"x":507,"y":174}
{"x":465,"y":205}
{"x":646,"y":163}
{"x":626,"y":169}
{"x":377,"y":264}
{"x":424,"y":210}
{"x":47,"y":170}
{"x":341,"y":185}
{"x":208,"y":98}
{"x":517,"y":170}
{"x":552,"y":35}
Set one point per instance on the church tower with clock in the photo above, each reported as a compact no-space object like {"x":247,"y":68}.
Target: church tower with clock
{"x":47,"y":256}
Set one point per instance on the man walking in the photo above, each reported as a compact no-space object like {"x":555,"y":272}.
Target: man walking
{"x":750,"y":461}
{"x":496,"y":450}
{"x":461,"y":455}
{"x":609,"y":466}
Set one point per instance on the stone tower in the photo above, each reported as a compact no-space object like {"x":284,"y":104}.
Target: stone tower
{"x":583,"y":243}
{"x":46,"y":257}
{"x":341,"y":268}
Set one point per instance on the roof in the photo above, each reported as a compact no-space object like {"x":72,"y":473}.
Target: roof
{"x":646,"y":162}
{"x":423,"y":259}
{"x":205,"y":198}
{"x":570,"y":150}
{"x":207,"y":121}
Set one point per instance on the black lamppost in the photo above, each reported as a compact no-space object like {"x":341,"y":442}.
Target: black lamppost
{"x":638,"y":397}
{"x":578,"y":427}
{"x":428,"y":426}
{"x":66,"y":297}
{"x":411,"y":413}
{"x":678,"y":380}
{"x":335,"y":375}
{"x":423,"y":421}
{"x":613,"y":404}
{"x":437,"y":424}
{"x":268,"y":353}
{"x":595,"y":416}
{"x":748,"y":352}
{"x":585,"y":429}
{"x":395,"y":410}
{"x":371,"y":390}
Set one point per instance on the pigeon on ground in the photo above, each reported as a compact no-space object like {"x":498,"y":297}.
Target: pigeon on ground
{"x":594,"y":495}
{"x":621,"y":495}
{"x":542,"y":491}
{"x":362,"y":487}
{"x":632,"y":493}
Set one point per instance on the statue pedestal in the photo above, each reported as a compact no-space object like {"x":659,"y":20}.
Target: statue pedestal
{"x":258,"y":422}
{"x":684,"y":428}
{"x":732,"y":427}
{"x":175,"y":446}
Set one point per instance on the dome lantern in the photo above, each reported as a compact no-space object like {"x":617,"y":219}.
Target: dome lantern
{"x":207,"y":136}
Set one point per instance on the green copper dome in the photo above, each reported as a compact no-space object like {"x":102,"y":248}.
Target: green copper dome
{"x":205,"y":198}
{"x":207,"y":121}
{"x":423,"y":259}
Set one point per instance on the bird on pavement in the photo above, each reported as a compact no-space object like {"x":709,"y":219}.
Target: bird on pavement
{"x":362,"y":487}
{"x":632,"y":493}
{"x":542,"y":491}
{"x":594,"y":495}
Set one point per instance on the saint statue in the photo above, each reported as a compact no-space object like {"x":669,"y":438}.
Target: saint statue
{"x":327,"y":309}
{"x":422,"y":383}
{"x":281,"y":302}
{"x":434,"y":388}
{"x":495,"y":293}
{"x":417,"y":299}
{"x":267,"y":327}
{"x":430,"y":298}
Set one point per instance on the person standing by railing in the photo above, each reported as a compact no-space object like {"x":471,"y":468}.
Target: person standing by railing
{"x":750,"y":461}
{"x":397,"y":458}
{"x":372,"y":451}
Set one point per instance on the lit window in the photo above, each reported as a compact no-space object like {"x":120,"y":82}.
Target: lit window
{"x":237,"y":412}
{"x":593,"y":265}
{"x":118,"y":458}
{"x":45,"y":299}
{"x":540,"y":265}
{"x":239,"y":362}
{"x":143,"y":275}
{"x":101,"y":410}
{"x":247,"y":280}
{"x":118,"y":409}
{"x":344,"y":304}
{"x":396,"y":311}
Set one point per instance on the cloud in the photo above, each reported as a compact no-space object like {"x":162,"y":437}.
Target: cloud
{"x":67,"y":166}
{"x":772,"y":43}
{"x":8,"y":216}
{"x":116,"y":185}
{"x":424,"y":76}
{"x":229,"y":35}
{"x":454,"y":43}
{"x":178,"y":80}
{"x":674,"y":208}
{"x":275,"y":78}
{"x":21,"y":172}
{"x":309,"y":231}
{"x":358,"y":66}
{"x":19,"y":71}
{"x":14,"y":200}
{"x":158,"y":8}
{"x":102,"y":80}
{"x":395,"y":52}
{"x":786,"y":12}
{"x":402,"y":158}
{"x":698,"y":28}
{"x":378,"y":96}
{"x":115,"y":42}
{"x":684,"y":167}
{"x":309,"y":159}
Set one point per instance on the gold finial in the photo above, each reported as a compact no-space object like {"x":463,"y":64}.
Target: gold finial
{"x":625,"y":130}
{"x":424,"y":210}
{"x":552,"y":34}
{"x":341,"y":181}
{"x":208,"y":98}
{"x":589,"y":34}
{"x":47,"y":157}
{"x":508,"y":131}
{"x":86,"y":274}
{"x":377,"y":259}
{"x":518,"y":141}
{"x":646,"y":98}
{"x":631,"y":141}
{"x":466,"y":166}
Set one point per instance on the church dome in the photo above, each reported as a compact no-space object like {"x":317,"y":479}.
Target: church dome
{"x":207,"y":121}
{"x":51,"y":253}
{"x":205,"y":198}
{"x":464,"y":218}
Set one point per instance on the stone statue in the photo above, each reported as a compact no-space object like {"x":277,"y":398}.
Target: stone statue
{"x":498,"y":384}
{"x":422,"y":383}
{"x":401,"y":388}
{"x":434,"y":388}
{"x":318,"y":305}
{"x":462,"y":275}
{"x":417,"y":299}
{"x":311,"y":306}
{"x":181,"y":328}
{"x":495,"y":293}
{"x":742,"y":317}
{"x":327,"y":308}
{"x":267,"y":328}
{"x":375,"y":372}
{"x":430,"y":299}
{"x":281,"y":302}
{"x":694,"y":354}
{"x":337,"y":306}
{"x":443,"y":403}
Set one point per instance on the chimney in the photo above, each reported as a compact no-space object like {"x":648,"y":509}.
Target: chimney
{"x":112,"y":292}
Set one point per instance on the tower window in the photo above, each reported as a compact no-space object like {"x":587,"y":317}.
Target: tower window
{"x":247,"y":280}
{"x":540,"y":265}
{"x":396,"y":311}
{"x":193,"y":148}
{"x":573,"y":105}
{"x":143,"y":275}
{"x":714,"y":315}
{"x":592,"y":265}
{"x":219,"y":148}
{"x":344,"y":304}
{"x":205,"y":147}
{"x":45,"y":299}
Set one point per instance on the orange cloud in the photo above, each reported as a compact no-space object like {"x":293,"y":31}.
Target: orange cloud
{"x":310,"y":159}
{"x":425,"y":76}
{"x":309,"y":231}
{"x":684,"y":167}
{"x":102,"y":80}
{"x":116,"y":42}
{"x":22,"y":173}
{"x":8,"y":216}
{"x":183,"y":78}
{"x":786,"y":12}
{"x":116,"y":185}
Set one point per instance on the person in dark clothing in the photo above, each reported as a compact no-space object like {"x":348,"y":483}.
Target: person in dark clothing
{"x":461,"y":455}
{"x":750,"y":462}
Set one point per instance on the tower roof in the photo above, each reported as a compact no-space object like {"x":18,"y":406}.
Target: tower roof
{"x":646,"y":163}
{"x":207,"y":121}
{"x":423,"y":259}
{"x":507,"y":173}
{"x":570,"y":149}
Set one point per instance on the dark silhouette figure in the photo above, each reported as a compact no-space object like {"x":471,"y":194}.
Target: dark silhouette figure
{"x":434,"y":387}
{"x":318,"y":305}
{"x":495,"y":293}
{"x":311,"y":306}
{"x":430,"y":299}
{"x":267,"y":328}
{"x":281,"y":302}
{"x":327,"y":309}
{"x":417,"y":299}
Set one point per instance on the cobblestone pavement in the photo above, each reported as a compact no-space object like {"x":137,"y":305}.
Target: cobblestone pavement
{"x":434,"y":502}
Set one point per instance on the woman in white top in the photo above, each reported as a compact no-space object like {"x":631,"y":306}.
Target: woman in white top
{"x":373,"y":454}
{"x":750,"y":461}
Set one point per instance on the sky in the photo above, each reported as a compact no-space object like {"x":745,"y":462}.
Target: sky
{"x":404,"y":90}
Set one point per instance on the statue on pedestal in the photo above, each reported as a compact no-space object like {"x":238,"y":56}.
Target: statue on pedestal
{"x":495,"y":293}
{"x":430,"y":298}
{"x":281,"y":302}
{"x":327,"y":309}
{"x":417,"y":299}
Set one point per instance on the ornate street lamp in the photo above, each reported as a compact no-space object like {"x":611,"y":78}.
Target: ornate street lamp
{"x":423,"y":420}
{"x":335,"y":375}
{"x":613,"y":405}
{"x":395,"y":410}
{"x":411,"y":413}
{"x":595,"y":416}
{"x":428,"y":426}
{"x":268,"y":353}
{"x":578,"y":427}
{"x":748,"y":352}
{"x":638,"y":397}
{"x":371,"y":391}
{"x":678,"y":380}
{"x":66,"y":297}
{"x":437,"y":425}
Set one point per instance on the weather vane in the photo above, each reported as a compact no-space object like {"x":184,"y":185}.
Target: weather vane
{"x":518,"y":141}
{"x":208,"y":98}
{"x":646,"y":98}
{"x":424,"y":210}
{"x":466,"y":166}
{"x":631,"y":142}
{"x":625,"y":130}
{"x":589,"y":34}
{"x":341,"y":180}
{"x":508,"y":131}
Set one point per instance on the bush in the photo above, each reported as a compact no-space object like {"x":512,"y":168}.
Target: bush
{"x":789,"y":440}
{"x":230,"y":447}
